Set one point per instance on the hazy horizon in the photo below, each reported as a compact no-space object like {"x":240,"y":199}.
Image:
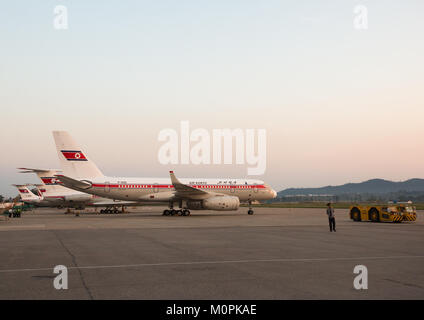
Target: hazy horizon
{"x":339,"y":105}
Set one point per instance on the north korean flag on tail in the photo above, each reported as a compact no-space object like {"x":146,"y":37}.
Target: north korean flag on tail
{"x":50,"y":180}
{"x":72,"y":155}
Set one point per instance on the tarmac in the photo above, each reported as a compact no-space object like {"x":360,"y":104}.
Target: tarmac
{"x":274,"y":254}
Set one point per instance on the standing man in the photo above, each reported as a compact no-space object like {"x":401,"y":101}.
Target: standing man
{"x":331,"y":217}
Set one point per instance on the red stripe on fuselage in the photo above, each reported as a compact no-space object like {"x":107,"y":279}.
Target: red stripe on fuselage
{"x":144,"y":186}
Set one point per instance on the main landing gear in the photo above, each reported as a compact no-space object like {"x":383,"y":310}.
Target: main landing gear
{"x":250,"y":211}
{"x":173,"y":212}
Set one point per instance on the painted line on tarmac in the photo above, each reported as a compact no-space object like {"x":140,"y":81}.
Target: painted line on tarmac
{"x":22,"y":227}
{"x":215,"y":262}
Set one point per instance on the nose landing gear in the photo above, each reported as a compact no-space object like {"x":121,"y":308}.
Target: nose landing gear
{"x":250,"y":211}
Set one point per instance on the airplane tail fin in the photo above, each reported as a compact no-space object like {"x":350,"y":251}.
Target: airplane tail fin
{"x":41,"y":190}
{"x":50,"y":184}
{"x":73,"y":160}
{"x":26,"y":194}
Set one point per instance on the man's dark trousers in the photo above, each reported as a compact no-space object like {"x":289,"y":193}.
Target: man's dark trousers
{"x":332,"y":223}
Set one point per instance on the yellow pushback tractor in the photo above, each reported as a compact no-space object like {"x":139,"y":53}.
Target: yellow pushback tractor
{"x":392,"y":212}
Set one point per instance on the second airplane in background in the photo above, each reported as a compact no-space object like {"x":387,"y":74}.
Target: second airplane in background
{"x":52,"y":194}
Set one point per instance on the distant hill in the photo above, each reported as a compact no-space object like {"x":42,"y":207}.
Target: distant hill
{"x":374,"y":186}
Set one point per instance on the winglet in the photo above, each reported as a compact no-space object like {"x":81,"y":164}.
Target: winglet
{"x":174,"y":180}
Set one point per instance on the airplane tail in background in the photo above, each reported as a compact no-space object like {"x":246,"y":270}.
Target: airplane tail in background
{"x":26,"y":194}
{"x":40,"y":190}
{"x":73,"y":160}
{"x":50,"y":184}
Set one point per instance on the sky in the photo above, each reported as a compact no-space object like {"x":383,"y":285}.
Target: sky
{"x":338,"y":104}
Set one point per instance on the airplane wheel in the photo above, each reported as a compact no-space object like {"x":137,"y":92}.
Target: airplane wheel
{"x":186,"y":212}
{"x":250,"y":212}
{"x":180,"y":212}
{"x":173,"y":212}
{"x":166,"y":213}
{"x":115,"y":211}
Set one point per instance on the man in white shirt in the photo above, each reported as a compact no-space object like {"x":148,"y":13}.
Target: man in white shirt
{"x":331,"y":217}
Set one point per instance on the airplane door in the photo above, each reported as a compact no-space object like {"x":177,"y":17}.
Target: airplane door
{"x":107,"y":186}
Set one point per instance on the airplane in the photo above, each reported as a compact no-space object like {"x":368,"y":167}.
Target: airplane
{"x":28,"y":196}
{"x":81,"y":174}
{"x":53,"y":194}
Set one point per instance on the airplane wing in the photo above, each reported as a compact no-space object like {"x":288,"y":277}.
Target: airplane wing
{"x":31,"y":170}
{"x":72,"y":183}
{"x":183,"y":191}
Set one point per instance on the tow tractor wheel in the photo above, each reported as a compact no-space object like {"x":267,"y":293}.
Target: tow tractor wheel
{"x":356,"y":215}
{"x":374,"y":215}
{"x":250,"y":212}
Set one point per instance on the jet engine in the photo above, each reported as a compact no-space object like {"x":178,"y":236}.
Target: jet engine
{"x":219,"y":203}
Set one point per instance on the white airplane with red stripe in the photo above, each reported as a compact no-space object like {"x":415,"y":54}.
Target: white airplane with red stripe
{"x":52,"y":194}
{"x":27,"y":195}
{"x":80,"y":173}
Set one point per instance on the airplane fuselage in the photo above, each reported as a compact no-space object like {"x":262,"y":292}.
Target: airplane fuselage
{"x":162,"y":190}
